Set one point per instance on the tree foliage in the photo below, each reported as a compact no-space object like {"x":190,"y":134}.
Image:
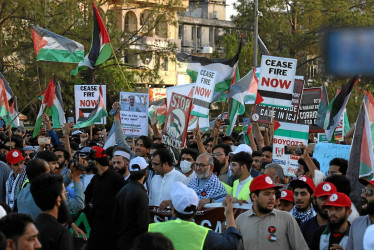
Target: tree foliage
{"x":73,"y":19}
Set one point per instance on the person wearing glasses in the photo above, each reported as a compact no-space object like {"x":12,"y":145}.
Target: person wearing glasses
{"x":206,"y":185}
{"x":359,"y":225}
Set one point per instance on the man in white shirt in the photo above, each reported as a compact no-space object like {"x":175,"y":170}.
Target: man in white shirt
{"x":166,"y":175}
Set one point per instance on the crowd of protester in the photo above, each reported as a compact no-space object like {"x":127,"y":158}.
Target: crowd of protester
{"x":46,"y":189}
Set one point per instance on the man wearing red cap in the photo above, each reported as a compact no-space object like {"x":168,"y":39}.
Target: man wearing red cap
{"x":335,"y":235}
{"x":286,"y":201}
{"x":308,"y":228}
{"x":100,"y":195}
{"x":264,"y":227}
{"x":303,"y":189}
{"x":359,"y":225}
{"x":17,"y":176}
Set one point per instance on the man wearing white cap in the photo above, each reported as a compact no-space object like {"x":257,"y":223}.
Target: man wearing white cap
{"x":185,"y":234}
{"x":121,"y":161}
{"x":130,"y":214}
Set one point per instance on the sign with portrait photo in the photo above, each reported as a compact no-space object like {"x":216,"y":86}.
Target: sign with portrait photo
{"x":134,"y":113}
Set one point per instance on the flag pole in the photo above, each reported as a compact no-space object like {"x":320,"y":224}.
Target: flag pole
{"x":37,"y":72}
{"x":120,"y":69}
{"x":91,"y":132}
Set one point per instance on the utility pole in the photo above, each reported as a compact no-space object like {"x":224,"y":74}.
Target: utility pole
{"x":255,"y":35}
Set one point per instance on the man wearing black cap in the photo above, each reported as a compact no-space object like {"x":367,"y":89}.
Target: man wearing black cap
{"x":359,"y":225}
{"x":185,"y":234}
{"x":131,"y":212}
{"x":264,"y":227}
{"x":100,"y":196}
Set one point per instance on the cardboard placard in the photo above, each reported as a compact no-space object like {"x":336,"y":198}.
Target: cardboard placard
{"x":176,"y":124}
{"x":134,"y":113}
{"x":203,"y":92}
{"x":325,"y":152}
{"x":308,"y":109}
{"x":86,"y":99}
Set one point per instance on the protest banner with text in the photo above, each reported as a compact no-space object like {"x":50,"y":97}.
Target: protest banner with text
{"x":86,"y":99}
{"x":175,"y":130}
{"x":325,"y":152}
{"x":276,"y":81}
{"x":187,"y":90}
{"x":134,"y":113}
{"x":262,"y":113}
{"x":203,"y":93}
{"x":289,"y":134}
{"x":308,"y":109}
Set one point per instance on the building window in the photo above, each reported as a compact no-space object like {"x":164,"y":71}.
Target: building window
{"x":166,"y":64}
{"x":130,"y":22}
{"x":193,"y":33}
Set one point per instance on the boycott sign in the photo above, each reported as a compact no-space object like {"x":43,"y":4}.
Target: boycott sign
{"x":263,"y":113}
{"x":203,"y":92}
{"x":308,"y":109}
{"x":187,"y":90}
{"x":276,"y":81}
{"x":134,"y":113}
{"x":288,"y":134}
{"x":86,"y":99}
{"x":212,"y":218}
{"x":175,"y":130}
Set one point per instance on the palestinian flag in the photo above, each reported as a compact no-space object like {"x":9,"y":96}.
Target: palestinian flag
{"x":100,"y":46}
{"x":4,"y":102}
{"x":9,"y":91}
{"x":263,"y":49}
{"x":234,"y":106}
{"x":367,"y":153}
{"x":322,"y":108}
{"x":13,"y":114}
{"x":225,"y":69}
{"x":49,"y":46}
{"x":52,"y":105}
{"x":96,"y":114}
{"x":336,"y":108}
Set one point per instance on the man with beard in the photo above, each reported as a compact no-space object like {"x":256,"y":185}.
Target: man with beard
{"x":308,"y":228}
{"x":335,"y":235}
{"x":100,"y":196}
{"x":121,"y":161}
{"x":51,"y":158}
{"x":221,"y":153}
{"x":206,"y":185}
{"x":303,"y":189}
{"x":63,"y":157}
{"x":48,"y":192}
{"x":29,"y":153}
{"x":131,"y":211}
{"x":240,"y":167}
{"x":264,"y":227}
{"x":359,"y":225}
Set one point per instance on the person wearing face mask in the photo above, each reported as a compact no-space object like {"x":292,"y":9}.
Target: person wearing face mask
{"x":187,"y":163}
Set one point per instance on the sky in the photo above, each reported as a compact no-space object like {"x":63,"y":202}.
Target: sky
{"x":230,"y":9}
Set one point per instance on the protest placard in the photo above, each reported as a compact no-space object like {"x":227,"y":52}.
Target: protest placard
{"x":203,"y":93}
{"x":308,"y":109}
{"x":289,"y":134}
{"x":86,"y":99}
{"x":134,"y":113}
{"x":175,"y":129}
{"x":325,"y":152}
{"x":212,"y":217}
{"x":262,"y":113}
{"x":276,"y":81}
{"x":187,"y":90}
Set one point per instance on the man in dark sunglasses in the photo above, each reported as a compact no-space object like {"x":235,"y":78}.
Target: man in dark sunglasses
{"x":359,"y":225}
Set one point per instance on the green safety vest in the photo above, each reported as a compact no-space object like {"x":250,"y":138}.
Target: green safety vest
{"x":244,"y":193}
{"x":227,"y":187}
{"x":183,"y":234}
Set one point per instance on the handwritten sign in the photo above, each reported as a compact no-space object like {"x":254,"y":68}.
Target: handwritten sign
{"x":203,"y":92}
{"x":276,"y":81}
{"x":325,"y":152}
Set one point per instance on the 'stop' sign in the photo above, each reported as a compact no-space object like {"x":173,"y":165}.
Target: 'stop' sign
{"x":276,"y":81}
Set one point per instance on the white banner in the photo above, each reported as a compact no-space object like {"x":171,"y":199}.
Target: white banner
{"x":134,"y":113}
{"x":289,"y":134}
{"x":187,"y":90}
{"x":276,"y":81}
{"x":86,"y":99}
{"x":203,"y":93}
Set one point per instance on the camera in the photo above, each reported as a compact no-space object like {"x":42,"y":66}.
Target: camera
{"x":77,"y":165}
{"x":295,"y":150}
